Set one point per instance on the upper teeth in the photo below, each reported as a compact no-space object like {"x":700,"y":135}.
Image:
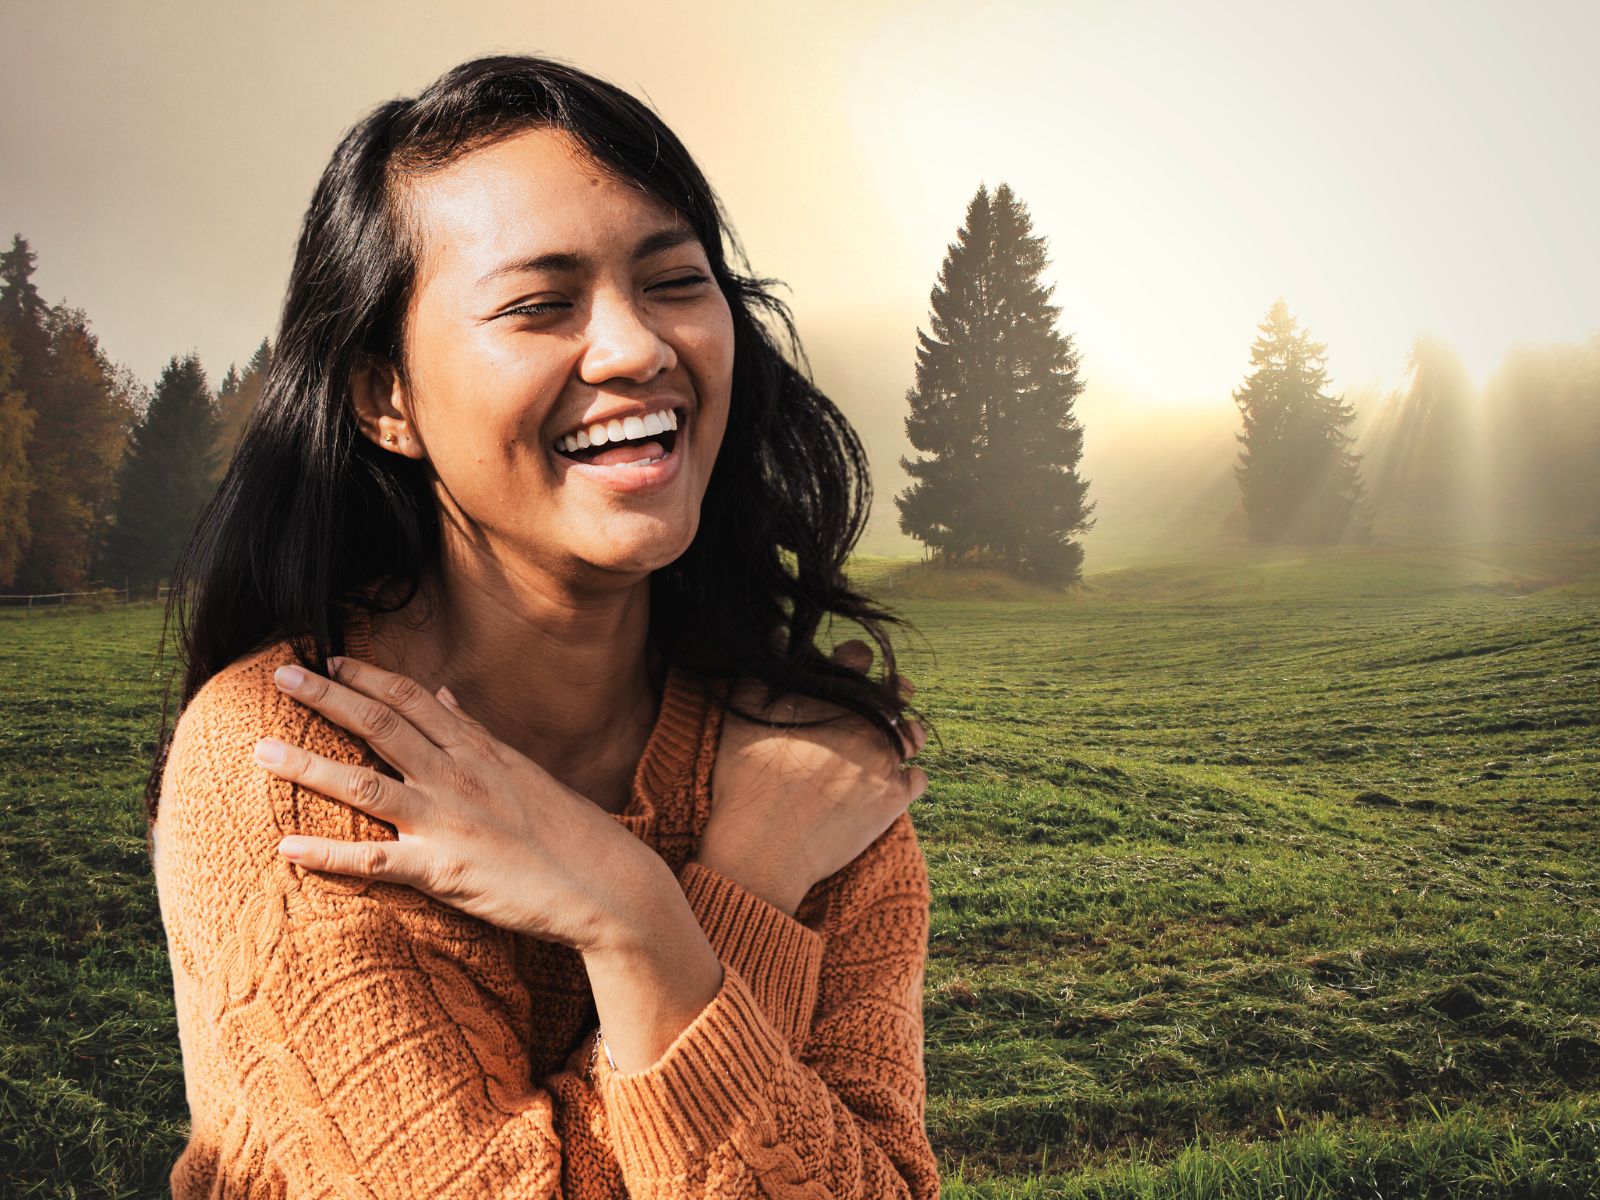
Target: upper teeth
{"x":600,"y":433}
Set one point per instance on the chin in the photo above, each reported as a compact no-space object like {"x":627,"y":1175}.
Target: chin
{"x":647,"y":551}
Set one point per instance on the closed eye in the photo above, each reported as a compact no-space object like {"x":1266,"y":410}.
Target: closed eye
{"x":537,"y":310}
{"x":686,"y":281}
{"x":545,"y":307}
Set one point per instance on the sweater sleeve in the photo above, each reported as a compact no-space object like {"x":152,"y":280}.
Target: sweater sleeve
{"x":779,"y":958}
{"x":733,"y":1109}
{"x":357,"y":1038}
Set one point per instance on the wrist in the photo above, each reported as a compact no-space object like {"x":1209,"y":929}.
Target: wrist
{"x":638,"y":915}
{"x":651,"y":975}
{"x":767,"y":886}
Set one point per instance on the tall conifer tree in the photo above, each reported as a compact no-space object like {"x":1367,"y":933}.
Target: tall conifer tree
{"x":992,"y":409}
{"x":1297,"y":477}
{"x":23,"y":313}
{"x":24,"y":362}
{"x":237,"y":399}
{"x":167,"y":475}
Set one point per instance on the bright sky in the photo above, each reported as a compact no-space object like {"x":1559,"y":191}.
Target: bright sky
{"x":1386,"y":167}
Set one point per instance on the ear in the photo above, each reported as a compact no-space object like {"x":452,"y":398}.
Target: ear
{"x":383,"y":408}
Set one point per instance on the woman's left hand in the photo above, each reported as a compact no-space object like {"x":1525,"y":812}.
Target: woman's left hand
{"x":481,"y":827}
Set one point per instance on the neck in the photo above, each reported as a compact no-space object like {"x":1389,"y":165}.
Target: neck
{"x":560,"y":672}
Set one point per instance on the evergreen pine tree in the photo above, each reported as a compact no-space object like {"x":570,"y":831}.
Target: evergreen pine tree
{"x":22,"y":316}
{"x":1297,"y":477}
{"x":229,"y":385}
{"x":237,"y":399}
{"x":24,"y":362}
{"x":992,"y":409}
{"x":166,"y":477}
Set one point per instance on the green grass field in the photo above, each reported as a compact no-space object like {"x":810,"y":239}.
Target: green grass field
{"x":1272,"y":876}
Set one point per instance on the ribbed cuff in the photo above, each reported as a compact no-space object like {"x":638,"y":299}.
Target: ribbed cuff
{"x":779,"y":958}
{"x":700,"y":1093}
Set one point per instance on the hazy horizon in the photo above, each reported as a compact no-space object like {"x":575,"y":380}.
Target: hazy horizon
{"x":1388,"y":170}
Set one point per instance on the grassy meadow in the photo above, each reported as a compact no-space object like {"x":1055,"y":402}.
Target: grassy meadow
{"x":1273,"y":875}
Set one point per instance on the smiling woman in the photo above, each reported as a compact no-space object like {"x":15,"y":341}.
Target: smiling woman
{"x":541,"y":268}
{"x":515,"y":837}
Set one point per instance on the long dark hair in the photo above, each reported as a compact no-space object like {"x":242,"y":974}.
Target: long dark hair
{"x":309,"y":513}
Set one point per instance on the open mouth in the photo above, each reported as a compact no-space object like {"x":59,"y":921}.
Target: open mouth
{"x":636,"y":441}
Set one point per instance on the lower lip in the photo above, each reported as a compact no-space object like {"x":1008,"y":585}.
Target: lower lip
{"x":629,"y":479}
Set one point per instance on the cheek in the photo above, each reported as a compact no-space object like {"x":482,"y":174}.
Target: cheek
{"x":486,"y":400}
{"x":711,"y":346}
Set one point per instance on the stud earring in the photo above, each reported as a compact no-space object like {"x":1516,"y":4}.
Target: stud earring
{"x":389,"y":438}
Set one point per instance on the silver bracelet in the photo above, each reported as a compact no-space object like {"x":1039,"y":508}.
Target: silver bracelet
{"x":594,"y":1053}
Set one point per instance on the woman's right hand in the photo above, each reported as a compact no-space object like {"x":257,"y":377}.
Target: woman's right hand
{"x":790,"y":807}
{"x":480,"y":826}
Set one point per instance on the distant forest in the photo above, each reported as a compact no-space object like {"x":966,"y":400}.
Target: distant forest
{"x":102,"y":477}
{"x":1518,"y":460}
{"x":1443,"y":462}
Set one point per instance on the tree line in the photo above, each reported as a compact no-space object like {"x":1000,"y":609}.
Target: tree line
{"x":993,"y":415}
{"x":101,"y":478}
{"x":993,"y":412}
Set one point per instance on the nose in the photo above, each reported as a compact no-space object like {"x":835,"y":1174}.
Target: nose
{"x":623,"y":344}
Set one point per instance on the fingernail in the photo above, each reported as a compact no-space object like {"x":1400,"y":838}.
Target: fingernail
{"x":270,"y":752}
{"x":335,"y":663}
{"x":292,"y":847}
{"x":289,"y":678}
{"x":449,"y":697}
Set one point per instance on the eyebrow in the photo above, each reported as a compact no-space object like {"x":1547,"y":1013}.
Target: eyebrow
{"x":566,"y":260}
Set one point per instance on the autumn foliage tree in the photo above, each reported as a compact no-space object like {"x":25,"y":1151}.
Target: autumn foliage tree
{"x":16,"y":483}
{"x":82,"y":408}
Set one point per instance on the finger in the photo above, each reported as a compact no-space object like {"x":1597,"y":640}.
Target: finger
{"x":382,"y":797}
{"x":448,"y":699}
{"x":906,"y":688}
{"x":434,"y":720}
{"x":395,"y":739}
{"x":393,"y":862}
{"x":855,"y":654}
{"x":912,"y":737}
{"x":916,"y":782}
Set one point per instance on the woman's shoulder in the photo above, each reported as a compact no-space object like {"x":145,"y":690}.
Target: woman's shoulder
{"x":218,"y":728}
{"x":211,"y":781}
{"x":236,"y":702}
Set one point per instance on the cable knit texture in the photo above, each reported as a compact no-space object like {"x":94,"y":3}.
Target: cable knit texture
{"x":356,"y":1039}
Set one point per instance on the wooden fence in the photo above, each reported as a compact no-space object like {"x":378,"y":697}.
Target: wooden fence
{"x":58,"y":600}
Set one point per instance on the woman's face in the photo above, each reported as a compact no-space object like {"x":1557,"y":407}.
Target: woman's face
{"x":552,"y":299}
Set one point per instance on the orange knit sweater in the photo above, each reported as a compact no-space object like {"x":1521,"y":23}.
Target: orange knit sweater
{"x":350,"y":1038}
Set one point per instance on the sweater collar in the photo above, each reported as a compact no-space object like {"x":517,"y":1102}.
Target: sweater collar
{"x":674,"y":767}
